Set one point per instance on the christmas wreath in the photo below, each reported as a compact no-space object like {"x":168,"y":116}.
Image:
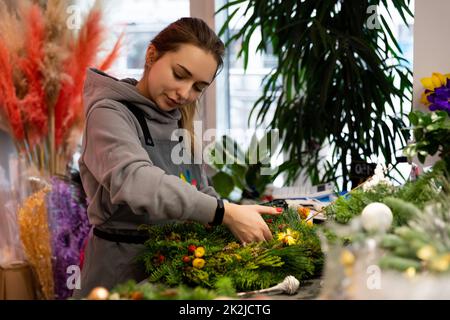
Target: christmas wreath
{"x":196,"y":255}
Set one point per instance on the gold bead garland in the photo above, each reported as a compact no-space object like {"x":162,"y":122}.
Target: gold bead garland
{"x":35,"y":236}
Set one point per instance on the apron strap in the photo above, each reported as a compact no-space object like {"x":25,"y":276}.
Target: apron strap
{"x":117,"y":237}
{"x":140,"y":116}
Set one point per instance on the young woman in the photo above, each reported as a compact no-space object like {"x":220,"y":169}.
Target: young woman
{"x":126,"y":166}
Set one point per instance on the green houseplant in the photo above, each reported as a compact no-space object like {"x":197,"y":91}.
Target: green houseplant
{"x":338,"y":76}
{"x":242,"y":170}
{"x":431,"y":130}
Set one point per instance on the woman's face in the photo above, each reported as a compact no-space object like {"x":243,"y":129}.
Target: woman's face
{"x":179,"y":78}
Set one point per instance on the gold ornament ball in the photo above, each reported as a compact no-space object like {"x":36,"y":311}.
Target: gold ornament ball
{"x":114,"y":296}
{"x":440,"y":264}
{"x":410,"y":272}
{"x":99,"y":293}
{"x":347,"y":258}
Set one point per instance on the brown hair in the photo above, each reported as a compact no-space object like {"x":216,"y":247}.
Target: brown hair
{"x":196,"y":32}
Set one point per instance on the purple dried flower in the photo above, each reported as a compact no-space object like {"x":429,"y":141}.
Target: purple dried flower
{"x":69,"y":228}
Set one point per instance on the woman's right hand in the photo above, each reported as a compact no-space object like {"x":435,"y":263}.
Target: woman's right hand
{"x":246,"y":223}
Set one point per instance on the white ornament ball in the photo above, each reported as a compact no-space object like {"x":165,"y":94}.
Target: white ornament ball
{"x":98,"y":293}
{"x":376,"y":217}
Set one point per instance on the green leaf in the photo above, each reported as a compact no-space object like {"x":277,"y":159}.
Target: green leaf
{"x":422,"y":157}
{"x":433,"y":127}
{"x":414,"y":118}
{"x":410,"y":151}
{"x":238,"y":174}
{"x":425,"y":120}
{"x":223,"y":183}
{"x":229,"y":18}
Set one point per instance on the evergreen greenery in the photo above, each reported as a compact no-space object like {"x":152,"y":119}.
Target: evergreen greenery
{"x":404,"y":201}
{"x":419,"y":239}
{"x":150,"y":291}
{"x":255,"y":266}
{"x":423,"y":243}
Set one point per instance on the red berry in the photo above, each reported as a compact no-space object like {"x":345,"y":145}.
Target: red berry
{"x":137,"y":295}
{"x":191,"y":248}
{"x":186,"y":259}
{"x":269,"y":220}
{"x":281,"y":226}
{"x":161,"y":258}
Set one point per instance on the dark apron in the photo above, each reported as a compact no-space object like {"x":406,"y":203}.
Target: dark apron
{"x":110,"y":256}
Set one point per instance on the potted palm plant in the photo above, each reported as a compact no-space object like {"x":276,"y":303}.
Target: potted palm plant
{"x":335,"y":84}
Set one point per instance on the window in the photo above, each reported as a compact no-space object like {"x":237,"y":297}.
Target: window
{"x":140,"y":20}
{"x":245,"y":86}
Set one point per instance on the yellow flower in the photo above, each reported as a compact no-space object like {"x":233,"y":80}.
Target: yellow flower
{"x":289,"y":237}
{"x":435,"y":81}
{"x":303,"y":212}
{"x":309,"y":222}
{"x":424,"y":98}
{"x":199,"y":252}
{"x":426,"y":253}
{"x":198,"y":263}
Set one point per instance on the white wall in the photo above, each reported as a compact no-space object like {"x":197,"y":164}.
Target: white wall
{"x":204,"y":9}
{"x":431,"y":47}
{"x":431,"y":42}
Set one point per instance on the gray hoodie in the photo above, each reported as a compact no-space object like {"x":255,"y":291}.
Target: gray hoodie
{"x":117,"y":172}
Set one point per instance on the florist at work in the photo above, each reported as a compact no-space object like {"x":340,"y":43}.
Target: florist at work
{"x":258,"y":154}
{"x":126,"y":166}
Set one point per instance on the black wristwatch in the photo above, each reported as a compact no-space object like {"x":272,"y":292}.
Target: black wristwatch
{"x":220,"y":211}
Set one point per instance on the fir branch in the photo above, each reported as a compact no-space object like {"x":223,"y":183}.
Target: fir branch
{"x":402,"y":211}
{"x":148,"y":291}
{"x":249,"y":267}
{"x":160,"y":273}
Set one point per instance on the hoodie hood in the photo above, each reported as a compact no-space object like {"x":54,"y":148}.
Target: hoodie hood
{"x":99,"y":86}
